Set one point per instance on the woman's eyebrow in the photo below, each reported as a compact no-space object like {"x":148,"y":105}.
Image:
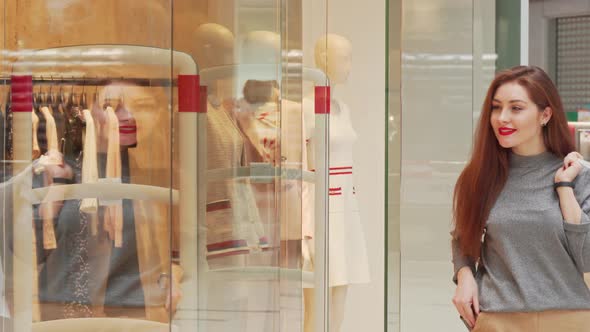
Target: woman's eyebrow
{"x":511,"y":101}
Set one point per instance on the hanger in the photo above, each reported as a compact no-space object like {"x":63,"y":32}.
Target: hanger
{"x":42,"y":96}
{"x":107,"y":99}
{"x":95,"y":96}
{"x":61,"y":99}
{"x":83,"y":99}
{"x":37,"y":99}
{"x":53,"y":97}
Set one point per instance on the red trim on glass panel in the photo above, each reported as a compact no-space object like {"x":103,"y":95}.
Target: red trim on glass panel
{"x":202,"y":99}
{"x":21,"y":93}
{"x":322,"y":100}
{"x":188,"y":96}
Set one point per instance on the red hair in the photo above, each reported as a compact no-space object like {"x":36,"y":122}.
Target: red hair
{"x":486,"y":173}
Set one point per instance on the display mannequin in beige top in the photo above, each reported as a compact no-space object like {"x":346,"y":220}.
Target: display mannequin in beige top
{"x":233,"y":228}
{"x":274,"y":135}
{"x":233,"y":232}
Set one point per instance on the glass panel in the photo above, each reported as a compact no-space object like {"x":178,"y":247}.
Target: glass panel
{"x":250,"y":157}
{"x":87,"y":192}
{"x":393,"y":141}
{"x":5,"y":257}
{"x":315,"y":243}
{"x":119,"y":197}
{"x":351,"y":56}
{"x":435,"y":135}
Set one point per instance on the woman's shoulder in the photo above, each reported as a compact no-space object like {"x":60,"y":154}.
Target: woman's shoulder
{"x":584,"y":177}
{"x":553,"y":161}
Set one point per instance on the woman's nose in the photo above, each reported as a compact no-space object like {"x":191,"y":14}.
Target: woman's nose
{"x":504,"y":115}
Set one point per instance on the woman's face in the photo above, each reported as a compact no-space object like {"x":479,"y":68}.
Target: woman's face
{"x":517,"y":121}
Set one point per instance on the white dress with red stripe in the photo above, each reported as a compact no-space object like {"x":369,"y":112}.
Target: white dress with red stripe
{"x":347,"y":248}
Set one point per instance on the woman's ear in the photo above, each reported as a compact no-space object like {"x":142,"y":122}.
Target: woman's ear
{"x":547,"y":114}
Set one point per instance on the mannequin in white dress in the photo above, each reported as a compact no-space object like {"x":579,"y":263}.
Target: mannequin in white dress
{"x":348,"y":260}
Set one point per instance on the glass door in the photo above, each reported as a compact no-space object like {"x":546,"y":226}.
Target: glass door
{"x":255,"y":183}
{"x":165,"y":164}
{"x":87,"y":191}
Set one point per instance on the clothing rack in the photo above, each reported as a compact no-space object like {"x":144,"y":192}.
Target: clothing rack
{"x":97,"y":81}
{"x":80,"y":65}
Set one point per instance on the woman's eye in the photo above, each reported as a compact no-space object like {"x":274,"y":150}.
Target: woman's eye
{"x":495,"y":107}
{"x":516,"y":108}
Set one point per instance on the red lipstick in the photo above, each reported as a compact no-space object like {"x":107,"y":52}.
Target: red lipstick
{"x":504,"y":131}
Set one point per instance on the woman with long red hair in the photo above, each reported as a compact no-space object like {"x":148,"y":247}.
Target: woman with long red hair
{"x":521,"y":214}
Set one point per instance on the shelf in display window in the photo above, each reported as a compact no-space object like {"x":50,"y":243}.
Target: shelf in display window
{"x":115,"y":191}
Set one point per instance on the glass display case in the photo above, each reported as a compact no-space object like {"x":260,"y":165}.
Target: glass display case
{"x":190,"y":165}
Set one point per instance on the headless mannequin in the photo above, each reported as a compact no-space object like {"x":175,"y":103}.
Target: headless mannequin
{"x":333,"y":57}
{"x":225,"y":149}
{"x":214,"y":45}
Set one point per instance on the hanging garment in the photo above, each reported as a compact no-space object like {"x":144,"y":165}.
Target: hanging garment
{"x":235,"y":232}
{"x":36,"y":149}
{"x":9,"y":153}
{"x":89,"y":163}
{"x":274,"y":135}
{"x":41,"y":131}
{"x":113,"y":219}
{"x":51,"y":129}
{"x":49,"y":241}
{"x":100,"y":122}
{"x":90,"y":171}
{"x":57,"y":110}
{"x":74,"y":127}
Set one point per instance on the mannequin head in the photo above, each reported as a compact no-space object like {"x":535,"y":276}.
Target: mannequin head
{"x":333,"y":55}
{"x":214,"y":45}
{"x":262,"y":47}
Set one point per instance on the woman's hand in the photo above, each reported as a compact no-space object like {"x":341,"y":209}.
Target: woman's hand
{"x":571,"y":168}
{"x":466,"y":296}
{"x":174,"y":296}
{"x":174,"y":293}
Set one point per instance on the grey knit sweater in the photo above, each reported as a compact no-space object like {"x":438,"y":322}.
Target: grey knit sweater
{"x":532,"y":259}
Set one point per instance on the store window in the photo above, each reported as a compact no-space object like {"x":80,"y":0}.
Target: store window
{"x":182,"y":165}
